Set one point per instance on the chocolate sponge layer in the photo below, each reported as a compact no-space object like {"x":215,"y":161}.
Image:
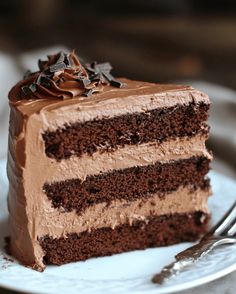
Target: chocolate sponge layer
{"x":155,"y":231}
{"x":129,"y":184}
{"x":129,"y":129}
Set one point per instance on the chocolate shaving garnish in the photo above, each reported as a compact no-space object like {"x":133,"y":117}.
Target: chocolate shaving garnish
{"x":67,"y":60}
{"x":60,"y":71}
{"x":61,"y":57}
{"x":101,"y":71}
{"x":88,"y":93}
{"x":42,"y":64}
{"x":112,"y":80}
{"x":85,"y":82}
{"x":57,"y":67}
{"x":29,"y":89}
{"x":104,"y":67}
{"x":43,"y":80}
{"x":116,"y":83}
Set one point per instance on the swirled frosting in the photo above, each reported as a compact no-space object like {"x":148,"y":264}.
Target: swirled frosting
{"x":63,"y":76}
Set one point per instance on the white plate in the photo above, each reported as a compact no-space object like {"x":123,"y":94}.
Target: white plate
{"x":122,"y":273}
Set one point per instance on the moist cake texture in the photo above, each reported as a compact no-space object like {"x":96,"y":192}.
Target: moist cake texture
{"x":99,"y":166}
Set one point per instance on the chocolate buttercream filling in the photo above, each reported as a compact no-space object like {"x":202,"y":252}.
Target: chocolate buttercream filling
{"x":129,"y":184}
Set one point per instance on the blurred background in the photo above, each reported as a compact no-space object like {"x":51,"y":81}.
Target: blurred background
{"x":183,"y":41}
{"x":143,"y":39}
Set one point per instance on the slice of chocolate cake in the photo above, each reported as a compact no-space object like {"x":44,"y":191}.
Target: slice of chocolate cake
{"x":99,"y":166}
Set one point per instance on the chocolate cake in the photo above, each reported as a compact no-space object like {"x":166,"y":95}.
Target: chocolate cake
{"x":99,"y":165}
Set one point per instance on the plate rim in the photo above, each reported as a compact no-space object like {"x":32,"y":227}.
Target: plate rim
{"x":171,"y":289}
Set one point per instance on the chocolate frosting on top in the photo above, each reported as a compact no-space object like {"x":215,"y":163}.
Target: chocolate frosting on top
{"x":63,"y":76}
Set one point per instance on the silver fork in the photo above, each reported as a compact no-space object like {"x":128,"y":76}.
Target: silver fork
{"x":223,"y":233}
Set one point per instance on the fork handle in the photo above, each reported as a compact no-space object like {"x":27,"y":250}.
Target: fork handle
{"x":197,"y":251}
{"x":186,"y":258}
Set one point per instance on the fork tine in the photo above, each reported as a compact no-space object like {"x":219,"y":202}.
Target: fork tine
{"x":224,"y":222}
{"x":231,"y":230}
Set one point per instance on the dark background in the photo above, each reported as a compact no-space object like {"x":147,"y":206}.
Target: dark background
{"x":159,"y":41}
{"x":143,"y":39}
